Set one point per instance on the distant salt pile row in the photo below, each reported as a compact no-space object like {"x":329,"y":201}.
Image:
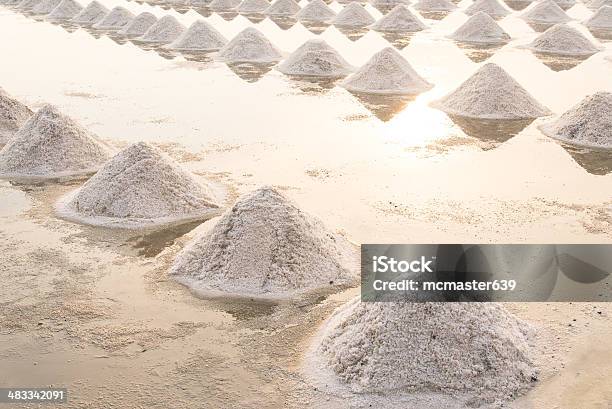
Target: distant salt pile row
{"x":13,"y":114}
{"x":602,"y":19}
{"x":283,"y":8}
{"x":545,"y":12}
{"x":492,"y":7}
{"x":45,"y":7}
{"x":266,"y":247}
{"x":399,"y":19}
{"x":481,"y":29}
{"x":353,"y":15}
{"x":316,"y":12}
{"x":139,"y":25}
{"x":166,"y":30}
{"x":200,"y":36}
{"x":66,"y":10}
{"x":92,"y":14}
{"x":562,"y":39}
{"x":249,"y":46}
{"x":117,"y":19}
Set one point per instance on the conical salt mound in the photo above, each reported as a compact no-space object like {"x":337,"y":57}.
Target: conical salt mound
{"x":45,"y":7}
{"x":479,"y":353}
{"x":13,"y":114}
{"x":27,"y":5}
{"x":200,"y":36}
{"x":316,"y":11}
{"x":562,"y":39}
{"x":51,"y":145}
{"x":602,"y":19}
{"x":265,"y":246}
{"x":66,"y":10}
{"x":166,"y":30}
{"x":282,"y":8}
{"x":565,"y":4}
{"x":597,"y":4}
{"x":315,"y":58}
{"x":249,"y":46}
{"x":400,"y":19}
{"x":491,"y":93}
{"x":588,"y":124}
{"x":435,"y":5}
{"x":116,"y":19}
{"x":492,"y":7}
{"x":222,"y":5}
{"x":353,"y":15}
{"x":387,"y":72}
{"x":253,"y":6}
{"x":139,"y":25}
{"x":139,"y":187}
{"x":91,"y":14}
{"x":387,"y":4}
{"x":481,"y":29}
{"x":547,"y":12}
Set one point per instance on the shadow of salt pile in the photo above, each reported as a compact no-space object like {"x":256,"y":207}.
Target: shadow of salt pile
{"x":595,"y":162}
{"x":384,"y":107}
{"x":490,"y":132}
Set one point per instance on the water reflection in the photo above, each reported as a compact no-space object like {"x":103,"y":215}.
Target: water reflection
{"x":384,"y":107}
{"x":117,"y":38}
{"x":284,"y":23}
{"x":491,"y":132}
{"x":250,"y":72}
{"x":150,"y":244}
{"x":479,"y":52}
{"x":540,"y":27}
{"x":434,"y":15}
{"x":201,"y":57}
{"x":203,"y":11}
{"x":398,"y":40}
{"x":596,"y":162}
{"x":254,"y":18}
{"x":558,"y":62}
{"x":517,"y":5}
{"x":228,"y":15}
{"x":605,"y":35}
{"x":353,"y":34}
{"x":313,"y":85}
{"x":315,"y":28}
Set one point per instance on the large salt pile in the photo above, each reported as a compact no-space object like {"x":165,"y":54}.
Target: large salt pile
{"x":399,"y":19}
{"x":139,"y":187}
{"x":139,"y":25}
{"x":253,"y":6}
{"x":51,"y":145}
{"x":597,"y":4}
{"x":13,"y":114}
{"x":602,"y":19}
{"x":353,"y":15}
{"x":491,"y":93}
{"x":66,"y":10}
{"x":249,"y":46}
{"x":316,"y":11}
{"x":479,"y":354}
{"x":481,"y":29}
{"x":200,"y":36}
{"x":547,"y":12}
{"x":315,"y":58}
{"x":223,"y":5}
{"x":45,"y":6}
{"x":93,"y":13}
{"x":118,"y":18}
{"x":588,"y":124}
{"x":265,"y":246}
{"x":166,"y":30}
{"x":492,"y":7}
{"x":27,"y":5}
{"x":435,"y":5}
{"x":562,"y":39}
{"x":387,"y":72}
{"x":286,"y":8}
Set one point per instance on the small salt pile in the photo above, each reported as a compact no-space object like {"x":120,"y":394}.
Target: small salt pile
{"x":491,"y":93}
{"x":249,"y":46}
{"x":388,"y":4}
{"x":399,"y":19}
{"x":597,"y":4}
{"x":492,"y":7}
{"x":51,"y":145}
{"x":93,"y":13}
{"x":546,"y":12}
{"x":315,"y":58}
{"x":602,"y":19}
{"x":223,"y":5}
{"x":66,"y":10}
{"x":286,"y":8}
{"x":200,"y":36}
{"x":317,"y":12}
{"x":139,"y":187}
{"x":45,"y":7}
{"x":266,"y":247}
{"x":387,"y":72}
{"x":27,"y":5}
{"x":118,"y":18}
{"x":253,"y":6}
{"x":565,"y":4}
{"x":435,"y":5}
{"x":480,"y":29}
{"x":353,"y":15}
{"x":588,"y":124}
{"x":165,"y":31}
{"x":139,"y":25}
{"x":562,"y":39}
{"x":13,"y":114}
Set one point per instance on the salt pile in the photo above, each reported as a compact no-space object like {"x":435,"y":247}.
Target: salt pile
{"x":315,"y":58}
{"x":116,"y":19}
{"x":546,"y":11}
{"x":51,"y":145}
{"x":477,"y":352}
{"x":253,"y":6}
{"x":221,"y":5}
{"x":138,"y":187}
{"x":602,"y":19}
{"x":562,"y":39}
{"x":13,"y":114}
{"x":597,"y":4}
{"x":166,"y":30}
{"x":93,"y":13}
{"x":491,"y":93}
{"x":387,"y":4}
{"x":28,"y":4}
{"x":434,"y":5}
{"x":492,"y":7}
{"x":588,"y":124}
{"x":399,"y":19}
{"x":387,"y":72}
{"x":481,"y":29}
{"x":265,"y":246}
{"x":249,"y":46}
{"x":282,"y":8}
{"x":45,"y":6}
{"x":200,"y":36}
{"x":66,"y":10}
{"x":565,"y":4}
{"x":139,"y":25}
{"x":353,"y":15}
{"x":316,"y":11}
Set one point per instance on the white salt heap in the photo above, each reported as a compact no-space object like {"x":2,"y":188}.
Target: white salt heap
{"x":491,"y":93}
{"x":475,"y":352}
{"x":315,"y":58}
{"x":139,"y":25}
{"x":118,"y":18}
{"x":13,"y":114}
{"x":253,"y":6}
{"x":93,"y":13}
{"x":223,"y":5}
{"x":316,"y":11}
{"x":562,"y":39}
{"x":588,"y":124}
{"x":602,"y":19}
{"x":492,"y":7}
{"x":200,"y":36}
{"x":597,"y":4}
{"x":45,"y":6}
{"x":28,"y":4}
{"x":139,"y":187}
{"x":282,"y":8}
{"x":249,"y":46}
{"x":166,"y":30}
{"x":265,"y":246}
{"x":435,"y":5}
{"x":399,"y":19}
{"x":353,"y":15}
{"x":481,"y":29}
{"x":51,"y":145}
{"x":547,"y":12}
{"x":387,"y":72}
{"x":66,"y":10}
